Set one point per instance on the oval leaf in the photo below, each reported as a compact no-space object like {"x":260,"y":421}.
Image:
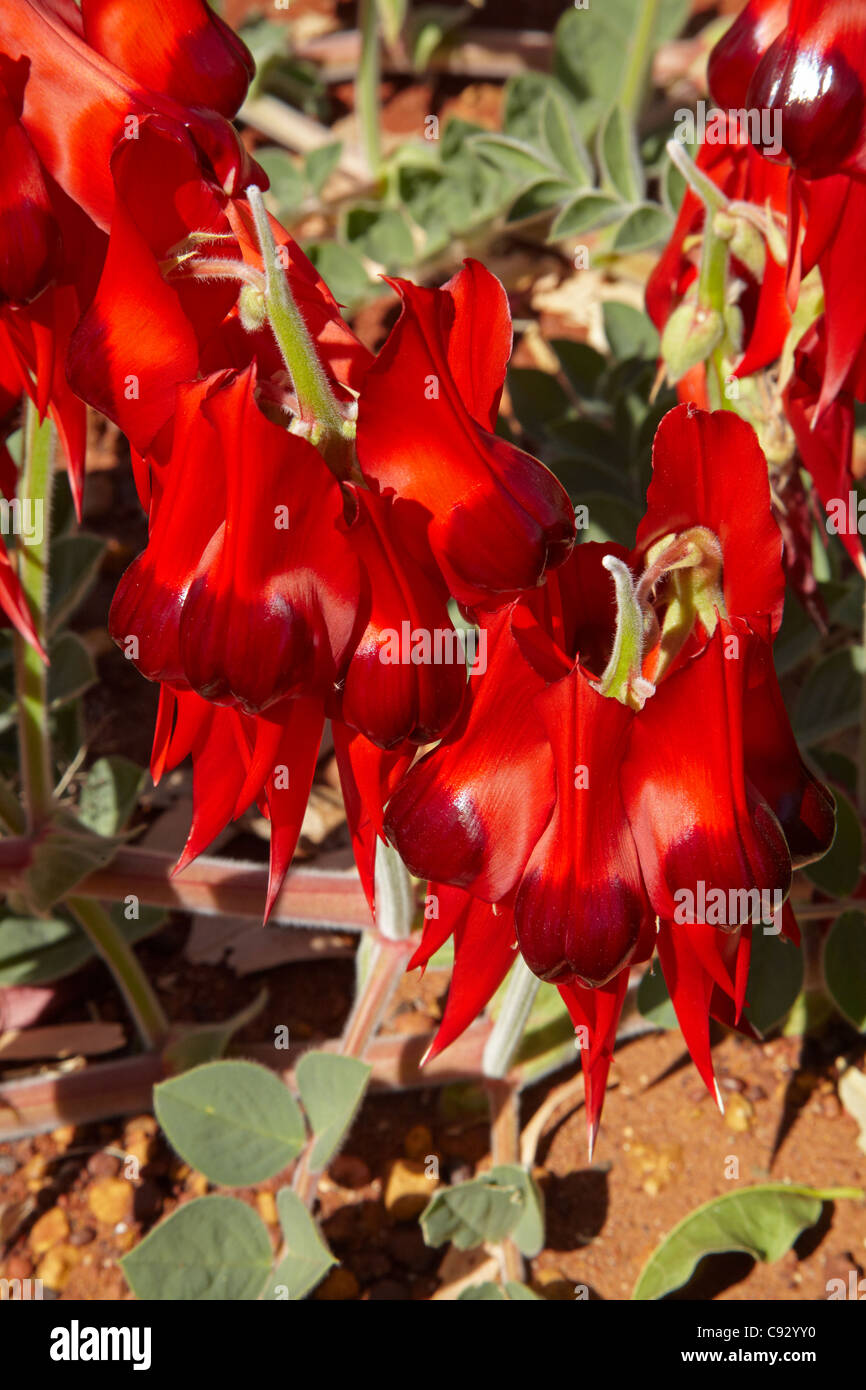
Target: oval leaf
{"x":845,"y":966}
{"x":761,"y":1221}
{"x":212,"y":1248}
{"x":234,"y":1121}
{"x":331,"y":1088}
{"x":307,"y":1259}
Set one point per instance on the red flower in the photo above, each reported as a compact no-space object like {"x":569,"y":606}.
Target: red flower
{"x":676,"y":782}
{"x":233,"y":597}
{"x":73,"y":84}
{"x":428,"y":405}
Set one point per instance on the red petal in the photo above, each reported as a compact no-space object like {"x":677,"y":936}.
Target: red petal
{"x":368,"y":776}
{"x":29,"y":234}
{"x":483,"y":955}
{"x":407,"y":676}
{"x":708,"y":470}
{"x":189,"y":509}
{"x":696,"y":826}
{"x":597,"y":1012}
{"x":138,"y":339}
{"x":271,"y":609}
{"x":736,"y":55}
{"x":581,"y":904}
{"x":288,"y":786}
{"x":499,"y":518}
{"x":179,"y":47}
{"x":691,"y":990}
{"x":470,"y":811}
{"x":479,"y":344}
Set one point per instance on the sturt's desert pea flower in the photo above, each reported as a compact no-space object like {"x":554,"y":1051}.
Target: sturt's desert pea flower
{"x":74,"y":83}
{"x":628,"y":750}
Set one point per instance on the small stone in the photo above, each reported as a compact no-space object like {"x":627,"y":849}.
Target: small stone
{"x":64,"y":1136}
{"x":418,"y":1142}
{"x":50,"y":1229}
{"x":407,"y":1189}
{"x":347,"y":1170}
{"x":266,"y":1207}
{"x":337,"y":1286}
{"x":57,"y":1265}
{"x":110,"y":1200}
{"x":739,"y":1113}
{"x":141,"y":1148}
{"x":34,"y":1171}
{"x":197,"y":1184}
{"x":103,"y":1165}
{"x":18,"y":1267}
{"x":140,"y":1124}
{"x":8,"y":1165}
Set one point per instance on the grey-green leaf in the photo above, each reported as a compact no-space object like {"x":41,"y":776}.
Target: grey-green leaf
{"x":619,"y":157}
{"x":762,"y":1221}
{"x":109,"y":794}
{"x":845,"y":966}
{"x":563,"y":141}
{"x":331,"y":1088}
{"x":212,"y":1248}
{"x":234,"y":1121}
{"x":73,"y":566}
{"x":647,"y":225}
{"x":629,"y":332}
{"x":584,"y":213}
{"x":36,"y":950}
{"x":838,"y":872}
{"x":775,"y":979}
{"x":504,"y":1202}
{"x":307,"y":1259}
{"x":320,"y":163}
{"x":829,"y":700}
{"x":71,"y":670}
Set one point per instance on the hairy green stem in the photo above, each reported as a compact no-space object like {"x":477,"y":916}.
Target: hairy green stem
{"x":367,"y":84}
{"x":317,"y":404}
{"x":31,"y":676}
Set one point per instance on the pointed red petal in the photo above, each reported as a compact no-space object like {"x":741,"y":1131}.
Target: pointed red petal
{"x":483,"y":955}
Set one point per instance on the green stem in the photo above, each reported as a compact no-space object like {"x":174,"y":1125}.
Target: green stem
{"x":118,"y":955}
{"x":37,"y":764}
{"x":508,"y":1029}
{"x":367,"y":85}
{"x":31,"y":676}
{"x":317,"y":405}
{"x":632,"y":90}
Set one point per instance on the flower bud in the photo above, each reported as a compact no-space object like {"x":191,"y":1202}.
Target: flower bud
{"x":689,"y":337}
